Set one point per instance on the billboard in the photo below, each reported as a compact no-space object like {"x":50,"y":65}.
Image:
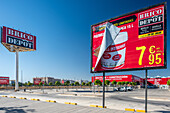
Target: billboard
{"x":36,"y":81}
{"x":136,"y":40}
{"x":4,"y":80}
{"x":17,"y":39}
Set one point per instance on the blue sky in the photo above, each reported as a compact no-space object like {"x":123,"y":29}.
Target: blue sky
{"x":63,"y":35}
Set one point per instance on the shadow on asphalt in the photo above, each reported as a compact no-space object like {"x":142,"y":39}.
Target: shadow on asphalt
{"x":163,"y":111}
{"x":16,"y":109}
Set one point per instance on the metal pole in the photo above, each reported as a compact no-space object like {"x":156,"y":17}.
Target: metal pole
{"x":103,"y":89}
{"x":93,"y":83}
{"x":146,"y":74}
{"x":17,"y":69}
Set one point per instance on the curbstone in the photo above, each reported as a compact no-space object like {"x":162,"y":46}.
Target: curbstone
{"x":93,"y":105}
{"x":12,"y":97}
{"x":35,"y":99}
{"x":129,"y":109}
{"x":137,"y":110}
{"x":4,"y":96}
{"x":23,"y":98}
{"x":67,"y":102}
{"x":47,"y":100}
{"x":73,"y":103}
{"x":53,"y":101}
{"x":102,"y":107}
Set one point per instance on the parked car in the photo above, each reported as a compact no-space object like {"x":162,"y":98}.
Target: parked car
{"x":123,"y":89}
{"x":117,"y":89}
{"x":151,"y":87}
{"x":129,"y":88}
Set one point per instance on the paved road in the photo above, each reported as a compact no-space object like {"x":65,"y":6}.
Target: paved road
{"x":114,"y":100}
{"x":14,"y":105}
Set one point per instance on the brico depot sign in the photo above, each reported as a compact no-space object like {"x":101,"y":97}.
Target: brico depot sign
{"x":4,"y":80}
{"x":136,"y":40}
{"x":25,"y":41}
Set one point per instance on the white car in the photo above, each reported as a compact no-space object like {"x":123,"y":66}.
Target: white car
{"x":129,"y":88}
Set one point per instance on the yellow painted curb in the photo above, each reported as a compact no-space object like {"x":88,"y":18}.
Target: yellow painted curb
{"x":35,"y":99}
{"x":4,"y":96}
{"x":22,"y":98}
{"x":67,"y":102}
{"x":53,"y":101}
{"x":102,"y":107}
{"x":73,"y":103}
{"x":129,"y":109}
{"x":12,"y":97}
{"x":137,"y":110}
{"x":93,"y":105}
{"x":47,"y":100}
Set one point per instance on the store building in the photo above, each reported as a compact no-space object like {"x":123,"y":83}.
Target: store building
{"x":46,"y":80}
{"x":120,"y":78}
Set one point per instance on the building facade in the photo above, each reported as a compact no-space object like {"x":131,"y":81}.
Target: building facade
{"x":132,"y":78}
{"x":46,"y":80}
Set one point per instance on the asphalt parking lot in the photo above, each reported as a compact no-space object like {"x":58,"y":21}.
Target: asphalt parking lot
{"x":158,"y":100}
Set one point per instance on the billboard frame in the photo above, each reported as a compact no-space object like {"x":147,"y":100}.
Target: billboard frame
{"x":165,"y":40}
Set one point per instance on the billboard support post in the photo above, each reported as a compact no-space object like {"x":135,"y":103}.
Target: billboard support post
{"x":146,"y":74}
{"x":103,"y":89}
{"x":94,"y":83}
{"x":16,"y":81}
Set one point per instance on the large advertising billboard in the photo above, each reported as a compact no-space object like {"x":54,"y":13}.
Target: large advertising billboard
{"x":17,"y":39}
{"x":4,"y":80}
{"x":136,"y":40}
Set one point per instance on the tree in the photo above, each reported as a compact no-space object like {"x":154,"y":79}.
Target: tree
{"x":114,"y":82}
{"x":107,"y":82}
{"x":50,"y":83}
{"x":122,"y":83}
{"x":25,"y":84}
{"x":67,"y":83}
{"x":57,"y":83}
{"x":29,"y":83}
{"x":20,"y":84}
{"x":45,"y":84}
{"x":76,"y":83}
{"x":40,"y":84}
{"x":168,"y":82}
{"x":89,"y":83}
{"x":72,"y":84}
{"x":133,"y":83}
{"x":98,"y":82}
{"x":126,"y":82}
{"x":130,"y":83}
{"x":118,"y":83}
{"x":83,"y":83}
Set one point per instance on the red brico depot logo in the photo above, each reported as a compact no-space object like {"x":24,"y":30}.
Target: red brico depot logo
{"x":17,"y":38}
